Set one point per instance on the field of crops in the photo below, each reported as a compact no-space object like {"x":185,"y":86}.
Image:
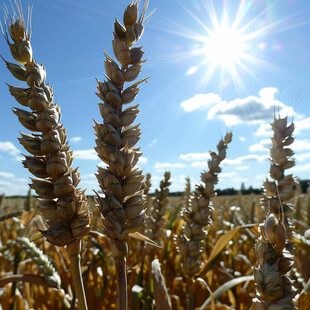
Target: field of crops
{"x":225,"y":280}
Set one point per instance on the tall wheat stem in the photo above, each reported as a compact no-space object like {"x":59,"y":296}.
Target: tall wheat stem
{"x":62,"y":204}
{"x":122,"y":201}
{"x":122,"y":299}
{"x":73,"y":250}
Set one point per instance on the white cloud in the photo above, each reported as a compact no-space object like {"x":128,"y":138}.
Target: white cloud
{"x":242,"y":138}
{"x":244,"y":159}
{"x":251,"y":109}
{"x":301,"y":125}
{"x":199,"y":164}
{"x":159,"y":165}
{"x":262,"y":146}
{"x":75,"y":139}
{"x":264,"y":130}
{"x":142,"y":160}
{"x":9,"y":147}
{"x":242,"y":168}
{"x":6,"y":175}
{"x":199,"y":101}
{"x":300,"y":145}
{"x":301,"y":169}
{"x":302,"y":157}
{"x":85,"y":154}
{"x":195,"y":156}
{"x":10,"y":185}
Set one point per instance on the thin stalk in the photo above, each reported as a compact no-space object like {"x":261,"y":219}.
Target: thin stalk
{"x":120,"y":267}
{"x":190,"y":300}
{"x":17,"y":259}
{"x":73,"y":250}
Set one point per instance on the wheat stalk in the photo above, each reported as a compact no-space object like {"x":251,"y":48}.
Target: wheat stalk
{"x":156,"y":221}
{"x":122,"y":202}
{"x":274,"y":289}
{"x":197,"y":215}
{"x":62,"y":204}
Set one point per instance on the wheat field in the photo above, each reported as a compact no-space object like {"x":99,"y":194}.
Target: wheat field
{"x":128,"y":248}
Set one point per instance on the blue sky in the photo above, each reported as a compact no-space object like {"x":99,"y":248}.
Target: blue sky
{"x":203,"y":83}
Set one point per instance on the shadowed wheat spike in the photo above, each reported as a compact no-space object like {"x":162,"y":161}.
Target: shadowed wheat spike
{"x":122,"y":202}
{"x":187,"y":192}
{"x":282,"y":189}
{"x":147,"y":186}
{"x":156,"y":221}
{"x":198,"y":213}
{"x":62,"y":204}
{"x":274,"y":289}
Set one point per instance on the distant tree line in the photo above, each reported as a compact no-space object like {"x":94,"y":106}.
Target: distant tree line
{"x":226,"y":191}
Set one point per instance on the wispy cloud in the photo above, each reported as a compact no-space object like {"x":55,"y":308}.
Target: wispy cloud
{"x":262,"y":146}
{"x":199,"y":164}
{"x":161,"y":166}
{"x":200,"y":101}
{"x":242,"y":167}
{"x":11,"y":185}
{"x":142,"y":160}
{"x":154,"y":141}
{"x":302,"y":157}
{"x":6,"y":175}
{"x":9,"y":147}
{"x":86,"y":154}
{"x":195,"y":156}
{"x":75,"y":139}
{"x":245,"y":159}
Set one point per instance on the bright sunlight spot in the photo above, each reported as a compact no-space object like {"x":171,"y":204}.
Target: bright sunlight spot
{"x":224,"y":47}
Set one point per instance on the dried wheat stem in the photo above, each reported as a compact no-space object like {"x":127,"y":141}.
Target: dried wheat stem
{"x":122,"y":299}
{"x":74,"y":250}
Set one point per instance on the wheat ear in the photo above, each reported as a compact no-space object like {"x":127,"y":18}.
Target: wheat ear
{"x":156,"y":221}
{"x":147,"y":187}
{"x":49,"y":273}
{"x":122,"y":202}
{"x":63,"y":205}
{"x":274,"y":289}
{"x":197,"y":215}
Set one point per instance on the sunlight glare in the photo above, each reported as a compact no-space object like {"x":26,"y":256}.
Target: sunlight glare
{"x":224,"y":47}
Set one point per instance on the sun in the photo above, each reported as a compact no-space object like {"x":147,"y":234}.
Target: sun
{"x":225,"y":47}
{"x":232,"y":38}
